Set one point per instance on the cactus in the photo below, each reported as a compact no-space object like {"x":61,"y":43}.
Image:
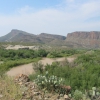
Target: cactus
{"x":94,"y":94}
{"x":70,"y":95}
{"x":97,"y":93}
{"x":48,"y":82}
{"x":94,"y":88}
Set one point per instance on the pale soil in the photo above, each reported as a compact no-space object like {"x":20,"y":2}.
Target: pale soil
{"x":1,"y":62}
{"x":28,"y":68}
{"x":16,"y":47}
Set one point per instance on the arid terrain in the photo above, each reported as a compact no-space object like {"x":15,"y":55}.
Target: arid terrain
{"x":28,"y":68}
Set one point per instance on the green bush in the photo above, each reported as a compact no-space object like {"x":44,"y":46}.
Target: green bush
{"x":77,"y":95}
{"x":38,"y":66}
{"x":83,"y":75}
{"x":21,"y":54}
{"x":50,"y":83}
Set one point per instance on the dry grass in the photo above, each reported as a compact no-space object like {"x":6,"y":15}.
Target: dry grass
{"x":8,"y":89}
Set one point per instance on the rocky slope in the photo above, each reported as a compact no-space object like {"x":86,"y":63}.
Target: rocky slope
{"x":45,"y":35}
{"x":78,"y":39}
{"x":21,"y":88}
{"x":21,"y":36}
{"x":84,"y":39}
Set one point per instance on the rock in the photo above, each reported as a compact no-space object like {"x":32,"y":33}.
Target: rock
{"x":20,"y":83}
{"x":33,"y":87}
{"x":36,"y":93}
{"x":61,"y":95}
{"x":66,"y":97}
{"x":21,"y":78}
{"x":1,"y":95}
{"x":66,"y":88}
{"x":30,"y":90}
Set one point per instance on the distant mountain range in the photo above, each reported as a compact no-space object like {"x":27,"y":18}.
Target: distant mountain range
{"x":84,"y":39}
{"x":73,"y":40}
{"x":21,"y":36}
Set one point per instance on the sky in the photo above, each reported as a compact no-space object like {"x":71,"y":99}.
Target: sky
{"x":49,"y":16}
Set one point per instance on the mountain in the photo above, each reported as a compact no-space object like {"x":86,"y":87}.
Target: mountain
{"x":45,"y":35}
{"x":78,"y":39}
{"x":16,"y":35}
{"x":21,"y":36}
{"x":84,"y":39}
{"x":49,"y":38}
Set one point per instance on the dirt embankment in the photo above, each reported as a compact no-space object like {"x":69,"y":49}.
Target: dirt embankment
{"x":28,"y":68}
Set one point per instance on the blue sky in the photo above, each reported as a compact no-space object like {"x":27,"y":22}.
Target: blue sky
{"x":49,"y":16}
{"x":10,"y":6}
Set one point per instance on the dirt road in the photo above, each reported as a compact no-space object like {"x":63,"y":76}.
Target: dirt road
{"x":28,"y":68}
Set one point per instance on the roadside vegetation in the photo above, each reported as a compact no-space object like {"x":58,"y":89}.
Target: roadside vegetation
{"x":82,"y":74}
{"x":13,"y":58}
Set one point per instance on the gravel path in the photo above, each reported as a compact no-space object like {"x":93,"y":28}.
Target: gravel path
{"x":28,"y":68}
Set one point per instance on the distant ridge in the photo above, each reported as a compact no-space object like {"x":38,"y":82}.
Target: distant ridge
{"x":78,"y":39}
{"x":21,"y":36}
{"x":84,"y":39}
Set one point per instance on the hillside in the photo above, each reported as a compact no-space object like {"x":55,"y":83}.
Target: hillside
{"x":78,"y":39}
{"x":84,"y":39}
{"x":21,"y":36}
{"x":14,"y":35}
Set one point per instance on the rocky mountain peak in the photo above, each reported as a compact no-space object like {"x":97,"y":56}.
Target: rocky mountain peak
{"x":90,"y":35}
{"x":22,"y":36}
{"x":85,"y":39}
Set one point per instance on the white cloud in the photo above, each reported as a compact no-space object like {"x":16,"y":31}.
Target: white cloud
{"x":69,"y":18}
{"x":90,"y":9}
{"x":70,"y":1}
{"x":25,"y":9}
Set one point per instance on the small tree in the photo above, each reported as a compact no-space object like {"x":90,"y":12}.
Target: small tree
{"x":38,"y":66}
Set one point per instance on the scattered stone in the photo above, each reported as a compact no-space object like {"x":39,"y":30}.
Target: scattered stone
{"x":1,"y":95}
{"x":66,"y":97}
{"x":30,"y":90}
{"x":21,"y":79}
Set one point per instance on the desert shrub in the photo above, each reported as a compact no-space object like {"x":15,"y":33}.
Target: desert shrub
{"x":21,"y":54}
{"x":47,"y":82}
{"x":62,"y":53}
{"x":83,"y":75}
{"x":33,"y":76}
{"x":38,"y":66}
{"x":54,"y":54}
{"x":69,"y":52}
{"x":9,"y":90}
{"x":77,"y":95}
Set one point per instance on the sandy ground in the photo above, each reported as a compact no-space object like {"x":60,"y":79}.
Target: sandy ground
{"x":28,"y":68}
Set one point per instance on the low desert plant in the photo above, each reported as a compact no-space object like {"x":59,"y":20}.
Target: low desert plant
{"x":94,"y":93}
{"x":48,"y":82}
{"x":8,"y":89}
{"x":77,"y":95}
{"x":38,"y":66}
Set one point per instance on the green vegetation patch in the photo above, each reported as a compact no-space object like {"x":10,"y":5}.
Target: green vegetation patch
{"x":12,"y":58}
{"x":81,"y":74}
{"x":9,"y":90}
